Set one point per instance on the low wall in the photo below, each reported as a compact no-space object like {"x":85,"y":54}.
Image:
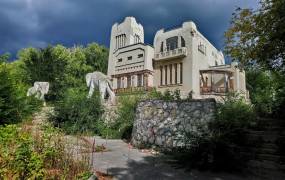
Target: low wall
{"x":165,"y":123}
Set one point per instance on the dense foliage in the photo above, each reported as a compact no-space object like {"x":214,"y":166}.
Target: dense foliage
{"x":122,"y":126}
{"x":76,"y":113}
{"x":63,"y":67}
{"x":256,"y":39}
{"x":14,"y":105}
{"x":41,"y":155}
{"x":258,"y":35}
{"x":219,"y":147}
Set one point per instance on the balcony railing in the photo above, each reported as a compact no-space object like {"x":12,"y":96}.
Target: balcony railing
{"x":132,"y":90}
{"x":215,"y":90}
{"x":175,"y":53}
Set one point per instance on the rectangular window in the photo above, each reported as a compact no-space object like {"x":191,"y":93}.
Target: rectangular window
{"x":129,"y":81}
{"x":130,"y":58}
{"x":133,"y":81}
{"x":181,"y":73}
{"x":120,"y":60}
{"x":175,"y":73}
{"x":161,"y":47}
{"x":139,"y":80}
{"x":165,"y":69}
{"x":172,"y":43}
{"x":161,"y":71}
{"x":170,"y":73}
{"x":122,"y":82}
{"x":140,"y":55}
{"x":118,"y":83}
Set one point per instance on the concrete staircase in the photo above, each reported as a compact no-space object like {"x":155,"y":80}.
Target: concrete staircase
{"x":266,"y":149}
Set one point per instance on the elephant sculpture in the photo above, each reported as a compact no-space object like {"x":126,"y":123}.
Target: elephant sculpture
{"x":39,"y":90}
{"x":102,"y":82}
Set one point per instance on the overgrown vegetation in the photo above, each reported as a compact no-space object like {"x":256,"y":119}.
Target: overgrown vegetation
{"x":14,"y":105}
{"x":25,"y":154}
{"x":122,"y":126}
{"x":219,"y":147}
{"x":78,"y":114}
{"x":256,"y":40}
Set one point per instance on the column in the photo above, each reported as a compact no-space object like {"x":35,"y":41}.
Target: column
{"x":166,"y":75}
{"x":163,"y":75}
{"x":116,"y":42}
{"x":181,"y":73}
{"x":178,"y":73}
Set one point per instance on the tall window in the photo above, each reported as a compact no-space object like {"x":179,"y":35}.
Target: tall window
{"x":120,"y":41}
{"x":161,"y":71}
{"x":182,"y":42}
{"x":118,"y":83}
{"x":133,"y":81}
{"x":129,"y":81}
{"x":137,"y":39}
{"x":175,"y":73}
{"x":170,"y":73}
{"x":165,"y":69}
{"x":139,"y":80}
{"x":181,"y":73}
{"x":172,"y":43}
{"x":122,"y":82}
{"x":161,"y":47}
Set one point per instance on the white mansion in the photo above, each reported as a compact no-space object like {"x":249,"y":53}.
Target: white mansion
{"x":182,"y":58}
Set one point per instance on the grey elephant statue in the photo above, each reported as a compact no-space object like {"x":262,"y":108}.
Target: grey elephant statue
{"x":39,"y":90}
{"x":102,"y":82}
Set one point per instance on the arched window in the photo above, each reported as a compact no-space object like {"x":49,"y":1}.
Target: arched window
{"x":182,"y":42}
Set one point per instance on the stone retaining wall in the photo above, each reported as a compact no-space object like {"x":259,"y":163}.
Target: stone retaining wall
{"x":165,"y":123}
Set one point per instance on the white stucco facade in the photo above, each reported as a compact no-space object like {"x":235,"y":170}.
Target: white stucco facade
{"x":130,"y":60}
{"x":184,"y":59}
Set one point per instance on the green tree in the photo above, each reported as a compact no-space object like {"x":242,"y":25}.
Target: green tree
{"x":97,"y":57}
{"x":46,"y":65}
{"x":256,"y":39}
{"x":258,"y":36}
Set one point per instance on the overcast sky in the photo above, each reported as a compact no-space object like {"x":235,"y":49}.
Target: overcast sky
{"x":37,"y":23}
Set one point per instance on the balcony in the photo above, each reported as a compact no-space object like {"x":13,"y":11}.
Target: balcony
{"x":132,"y":90}
{"x":175,"y":53}
{"x":216,"y":82}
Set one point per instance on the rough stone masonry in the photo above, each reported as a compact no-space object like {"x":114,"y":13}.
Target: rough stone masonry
{"x":165,"y":123}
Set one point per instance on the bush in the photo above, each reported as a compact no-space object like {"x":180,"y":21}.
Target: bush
{"x":123,"y":125}
{"x":26,"y":154}
{"x":219,"y":147}
{"x":76,"y":113}
{"x":14,"y":104}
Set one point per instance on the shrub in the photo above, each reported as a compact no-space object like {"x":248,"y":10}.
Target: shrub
{"x":76,"y":113}
{"x":14,"y":105}
{"x":122,"y":126}
{"x":219,"y":147}
{"x":166,"y":95}
{"x":27,"y":153}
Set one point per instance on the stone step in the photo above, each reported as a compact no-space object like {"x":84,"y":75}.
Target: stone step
{"x":271,"y":125}
{"x":266,"y":132}
{"x":269,"y":157}
{"x":261,"y":174}
{"x":266,"y":165}
{"x":261,"y":150}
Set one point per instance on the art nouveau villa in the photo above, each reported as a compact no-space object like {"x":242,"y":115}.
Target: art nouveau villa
{"x":180,"y":58}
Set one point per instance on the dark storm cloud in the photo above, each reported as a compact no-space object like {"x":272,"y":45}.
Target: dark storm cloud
{"x":36,"y":23}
